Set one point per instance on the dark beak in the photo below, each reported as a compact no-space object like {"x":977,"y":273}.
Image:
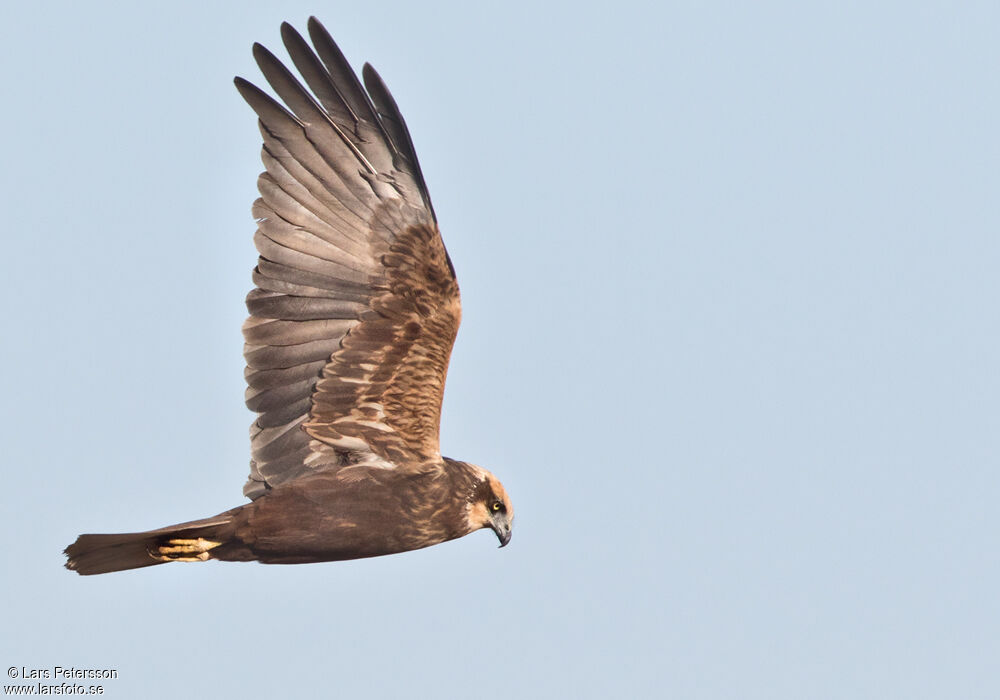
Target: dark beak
{"x":503,"y":533}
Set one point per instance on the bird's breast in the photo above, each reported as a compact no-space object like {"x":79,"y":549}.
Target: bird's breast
{"x":326,"y":519}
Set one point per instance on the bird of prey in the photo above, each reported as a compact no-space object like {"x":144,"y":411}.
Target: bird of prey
{"x":351,"y":327}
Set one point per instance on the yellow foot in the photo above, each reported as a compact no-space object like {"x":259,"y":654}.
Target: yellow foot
{"x":183,"y":550}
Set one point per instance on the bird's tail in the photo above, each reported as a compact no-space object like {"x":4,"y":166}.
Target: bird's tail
{"x":193,"y":541}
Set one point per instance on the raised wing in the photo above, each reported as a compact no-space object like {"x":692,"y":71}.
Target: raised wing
{"x":356,"y":306}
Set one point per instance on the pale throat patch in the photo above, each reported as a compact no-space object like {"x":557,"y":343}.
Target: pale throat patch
{"x":477,"y":515}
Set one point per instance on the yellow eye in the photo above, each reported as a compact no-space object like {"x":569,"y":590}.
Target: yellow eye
{"x":497,"y":505}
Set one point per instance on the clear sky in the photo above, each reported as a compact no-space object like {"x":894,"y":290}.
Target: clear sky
{"x":730,"y":276}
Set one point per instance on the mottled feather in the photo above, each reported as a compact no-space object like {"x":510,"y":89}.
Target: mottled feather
{"x":356,"y":306}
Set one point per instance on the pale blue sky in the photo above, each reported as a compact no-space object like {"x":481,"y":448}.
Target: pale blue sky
{"x":730,"y":281}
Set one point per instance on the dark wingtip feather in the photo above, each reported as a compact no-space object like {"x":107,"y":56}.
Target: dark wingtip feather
{"x":265,"y":59}
{"x":392,"y":120}
{"x":263,"y":104}
{"x":288,"y":31}
{"x":314,"y":25}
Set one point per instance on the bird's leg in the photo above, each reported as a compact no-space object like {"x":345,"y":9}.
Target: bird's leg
{"x":183,"y":550}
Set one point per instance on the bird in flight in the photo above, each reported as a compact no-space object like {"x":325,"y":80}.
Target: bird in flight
{"x":352,"y":322}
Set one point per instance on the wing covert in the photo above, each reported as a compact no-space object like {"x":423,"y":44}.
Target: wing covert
{"x":356,"y":306}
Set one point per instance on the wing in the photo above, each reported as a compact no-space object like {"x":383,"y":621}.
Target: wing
{"x":356,"y":305}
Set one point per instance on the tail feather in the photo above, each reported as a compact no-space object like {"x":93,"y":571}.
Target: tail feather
{"x":102,"y":554}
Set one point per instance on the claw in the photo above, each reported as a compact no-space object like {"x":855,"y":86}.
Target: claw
{"x":183,"y":550}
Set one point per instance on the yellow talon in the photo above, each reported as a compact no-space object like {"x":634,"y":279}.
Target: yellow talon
{"x":184,"y":550}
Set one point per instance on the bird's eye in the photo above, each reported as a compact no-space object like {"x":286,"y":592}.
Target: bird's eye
{"x":497,"y":506}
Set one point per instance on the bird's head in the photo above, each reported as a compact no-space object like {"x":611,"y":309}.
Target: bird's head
{"x":489,"y":506}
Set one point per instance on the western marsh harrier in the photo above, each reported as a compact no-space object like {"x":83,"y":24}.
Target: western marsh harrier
{"x":351,"y":327}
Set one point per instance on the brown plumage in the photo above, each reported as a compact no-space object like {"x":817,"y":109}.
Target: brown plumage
{"x":351,"y":326}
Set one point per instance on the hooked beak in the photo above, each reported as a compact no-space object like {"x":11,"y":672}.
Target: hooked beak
{"x":503,"y":532}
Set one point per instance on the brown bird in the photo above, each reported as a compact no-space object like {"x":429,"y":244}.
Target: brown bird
{"x":351,"y":326}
